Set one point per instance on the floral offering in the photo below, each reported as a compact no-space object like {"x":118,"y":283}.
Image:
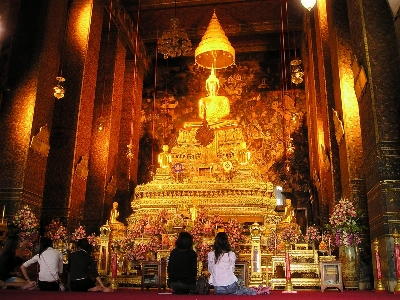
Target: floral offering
{"x":25,"y":224}
{"x":345,"y":223}
{"x":291,"y":234}
{"x":235,"y":233}
{"x":202,"y":251}
{"x":78,"y":234}
{"x":92,"y":239}
{"x":312,"y":235}
{"x":56,"y":232}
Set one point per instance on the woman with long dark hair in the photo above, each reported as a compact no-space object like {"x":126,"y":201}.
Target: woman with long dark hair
{"x":51,"y":264}
{"x":221,"y":265}
{"x":9,"y":260}
{"x":79,"y":264}
{"x":182,"y":265}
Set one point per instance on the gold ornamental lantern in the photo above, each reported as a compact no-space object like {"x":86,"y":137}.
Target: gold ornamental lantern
{"x":214,"y":50}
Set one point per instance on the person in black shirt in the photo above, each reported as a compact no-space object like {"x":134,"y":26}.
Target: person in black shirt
{"x":79,"y":265}
{"x":182,"y":265}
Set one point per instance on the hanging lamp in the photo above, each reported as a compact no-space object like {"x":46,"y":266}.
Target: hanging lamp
{"x":174,"y":42}
{"x":309,"y":4}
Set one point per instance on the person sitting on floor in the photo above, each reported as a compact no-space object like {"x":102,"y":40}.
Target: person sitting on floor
{"x":221,"y":265}
{"x":182,"y":265}
{"x":9,"y":259}
{"x":79,"y":263}
{"x":50,"y":266}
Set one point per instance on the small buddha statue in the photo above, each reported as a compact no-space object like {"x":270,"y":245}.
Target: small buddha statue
{"x":289,"y":213}
{"x":114,"y":214}
{"x":164,"y":158}
{"x":243,"y":154}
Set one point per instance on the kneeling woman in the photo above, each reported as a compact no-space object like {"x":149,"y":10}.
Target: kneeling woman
{"x":221,"y":265}
{"x":51,"y":264}
{"x":182,"y":265}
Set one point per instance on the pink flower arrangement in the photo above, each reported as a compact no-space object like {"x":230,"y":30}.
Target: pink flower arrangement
{"x":312,"y":235}
{"x":345,"y":223}
{"x":200,"y":229}
{"x":272,"y":241}
{"x":78,"y":234}
{"x":56,"y":231}
{"x":26,"y":224}
{"x":131,"y":250}
{"x":92,"y":239}
{"x":202,"y":251}
{"x":291,"y":234}
{"x":235,"y":233}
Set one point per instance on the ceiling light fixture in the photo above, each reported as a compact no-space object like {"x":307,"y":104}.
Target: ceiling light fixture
{"x":59,"y":89}
{"x":309,"y":4}
{"x":296,"y":71}
{"x":174,"y":42}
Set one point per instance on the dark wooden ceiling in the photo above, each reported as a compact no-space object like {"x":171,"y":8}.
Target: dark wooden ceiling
{"x":250,"y":25}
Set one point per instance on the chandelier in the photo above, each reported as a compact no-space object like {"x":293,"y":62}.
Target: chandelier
{"x":296,"y":71}
{"x":309,"y":4}
{"x":59,"y":89}
{"x":174,"y":42}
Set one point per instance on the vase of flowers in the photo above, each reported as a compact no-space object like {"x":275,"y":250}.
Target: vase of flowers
{"x":345,"y":225}
{"x":290,"y":234}
{"x":25,"y":224}
{"x":312,"y":236}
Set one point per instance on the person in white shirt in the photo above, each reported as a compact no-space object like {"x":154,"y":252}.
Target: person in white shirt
{"x":221,"y":265}
{"x":51,"y":264}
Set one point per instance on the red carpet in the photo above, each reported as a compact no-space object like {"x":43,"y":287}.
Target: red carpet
{"x":137,"y":294}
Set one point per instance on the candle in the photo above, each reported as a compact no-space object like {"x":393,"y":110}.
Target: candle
{"x":378,"y":266}
{"x":114,"y":266}
{"x":4,"y":212}
{"x":287,"y":261}
{"x":397,"y":259}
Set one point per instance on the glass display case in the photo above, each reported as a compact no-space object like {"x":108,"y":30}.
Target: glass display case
{"x":331,"y":275}
{"x":241,"y":271}
{"x":154,"y":275}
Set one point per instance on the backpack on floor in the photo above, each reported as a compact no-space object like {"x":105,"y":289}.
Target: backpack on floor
{"x":202,"y":286}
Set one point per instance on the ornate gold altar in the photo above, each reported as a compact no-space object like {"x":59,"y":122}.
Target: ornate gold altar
{"x":221,"y":180}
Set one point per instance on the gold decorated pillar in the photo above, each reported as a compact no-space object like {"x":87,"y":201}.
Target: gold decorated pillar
{"x":104,"y":256}
{"x":256,"y":274}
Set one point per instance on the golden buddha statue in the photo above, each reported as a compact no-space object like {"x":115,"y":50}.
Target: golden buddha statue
{"x":164,"y":158}
{"x":289,"y":213}
{"x":243,"y":154}
{"x":114,"y":214}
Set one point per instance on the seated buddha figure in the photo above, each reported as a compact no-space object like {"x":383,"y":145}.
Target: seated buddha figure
{"x":114,"y":215}
{"x":289,"y":213}
{"x":164,"y":158}
{"x":243,"y":154}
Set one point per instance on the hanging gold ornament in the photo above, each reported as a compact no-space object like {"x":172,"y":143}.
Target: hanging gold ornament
{"x":205,"y":135}
{"x":214,"y":50}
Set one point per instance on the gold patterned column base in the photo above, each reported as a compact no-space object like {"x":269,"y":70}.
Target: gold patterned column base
{"x":289,"y":287}
{"x":397,"y":287}
{"x":379,"y":286}
{"x":114,"y":284}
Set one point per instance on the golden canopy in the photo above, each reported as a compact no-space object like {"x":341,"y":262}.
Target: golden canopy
{"x":214,"y":49}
